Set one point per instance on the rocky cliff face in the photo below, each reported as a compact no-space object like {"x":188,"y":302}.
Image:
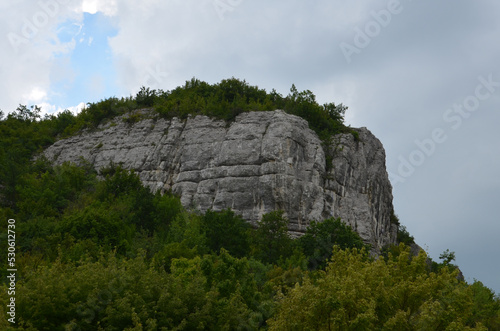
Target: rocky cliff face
{"x":261,"y":162}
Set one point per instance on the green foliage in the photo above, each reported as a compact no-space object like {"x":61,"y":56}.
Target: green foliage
{"x":67,"y":205}
{"x":95,"y":113}
{"x":101,"y":224}
{"x":447,"y":257}
{"x":404,"y":236}
{"x":26,"y":114}
{"x":224,"y":100}
{"x":145,"y":97}
{"x":271,"y":239}
{"x":122,"y":189}
{"x":226,"y":230}
{"x":320,"y":237}
{"x":22,"y":135}
{"x":486,"y":308}
{"x":394,"y":219}
{"x":213,"y":292}
{"x":325,"y":120}
{"x":133,"y":117}
{"x":47,"y":191}
{"x":358,"y":293}
{"x":167,"y":207}
{"x":188,"y":229}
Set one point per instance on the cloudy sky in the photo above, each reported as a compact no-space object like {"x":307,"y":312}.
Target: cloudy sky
{"x":422,"y":75}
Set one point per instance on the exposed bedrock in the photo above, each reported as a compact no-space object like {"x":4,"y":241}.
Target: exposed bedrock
{"x":262,"y":161}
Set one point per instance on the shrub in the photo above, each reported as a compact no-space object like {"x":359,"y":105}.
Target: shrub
{"x":226,"y":230}
{"x":358,"y":293}
{"x":271,"y":239}
{"x":320,"y":237}
{"x":404,"y":236}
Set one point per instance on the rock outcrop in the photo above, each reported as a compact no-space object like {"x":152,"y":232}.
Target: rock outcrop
{"x":260,"y":162}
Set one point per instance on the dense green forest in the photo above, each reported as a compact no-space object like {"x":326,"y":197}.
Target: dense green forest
{"x":98,"y":251}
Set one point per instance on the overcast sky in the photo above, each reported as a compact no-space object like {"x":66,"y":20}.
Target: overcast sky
{"x":422,"y":75}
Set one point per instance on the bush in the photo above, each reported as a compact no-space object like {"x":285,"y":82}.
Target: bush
{"x":358,"y":293}
{"x":226,"y":230}
{"x":123,"y":189}
{"x":271,"y":239}
{"x":320,"y":237}
{"x":145,"y":97}
{"x":404,"y":236}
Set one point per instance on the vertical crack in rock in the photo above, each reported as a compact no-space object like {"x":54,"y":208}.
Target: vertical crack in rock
{"x":260,"y":162}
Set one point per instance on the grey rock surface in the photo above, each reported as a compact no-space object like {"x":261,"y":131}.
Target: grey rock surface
{"x":263,"y":161}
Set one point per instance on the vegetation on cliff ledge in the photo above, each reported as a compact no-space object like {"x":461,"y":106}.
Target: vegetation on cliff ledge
{"x":224,"y":100}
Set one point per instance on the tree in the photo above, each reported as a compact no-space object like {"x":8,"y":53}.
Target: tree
{"x":447,"y":257}
{"x":146,"y":97}
{"x":486,"y":308}
{"x":23,"y":113}
{"x":334,"y":112}
{"x":123,"y":188}
{"x":404,"y":236}
{"x":226,"y":230}
{"x":320,"y":237}
{"x":359,"y":293}
{"x":271,"y":238}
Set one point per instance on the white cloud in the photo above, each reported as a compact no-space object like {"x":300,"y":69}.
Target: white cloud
{"x":47,"y":109}
{"x":50,"y":109}
{"x":90,"y":6}
{"x":107,"y":7}
{"x":36,"y":96}
{"x":30,"y":47}
{"x":75,"y":109}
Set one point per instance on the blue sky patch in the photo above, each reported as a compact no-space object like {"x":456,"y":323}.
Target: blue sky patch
{"x":91,"y":61}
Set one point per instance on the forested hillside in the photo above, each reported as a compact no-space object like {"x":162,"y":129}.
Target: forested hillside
{"x":98,"y":251}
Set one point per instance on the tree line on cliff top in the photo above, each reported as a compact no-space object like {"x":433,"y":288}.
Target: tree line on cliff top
{"x":109,"y":254}
{"x":224,"y":100}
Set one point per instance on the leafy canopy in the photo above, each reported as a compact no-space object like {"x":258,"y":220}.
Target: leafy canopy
{"x":359,"y":293}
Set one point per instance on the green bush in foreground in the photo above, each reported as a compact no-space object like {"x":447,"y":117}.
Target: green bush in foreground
{"x":359,"y":293}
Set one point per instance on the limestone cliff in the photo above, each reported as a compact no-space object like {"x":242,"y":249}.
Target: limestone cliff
{"x":261,"y":162}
